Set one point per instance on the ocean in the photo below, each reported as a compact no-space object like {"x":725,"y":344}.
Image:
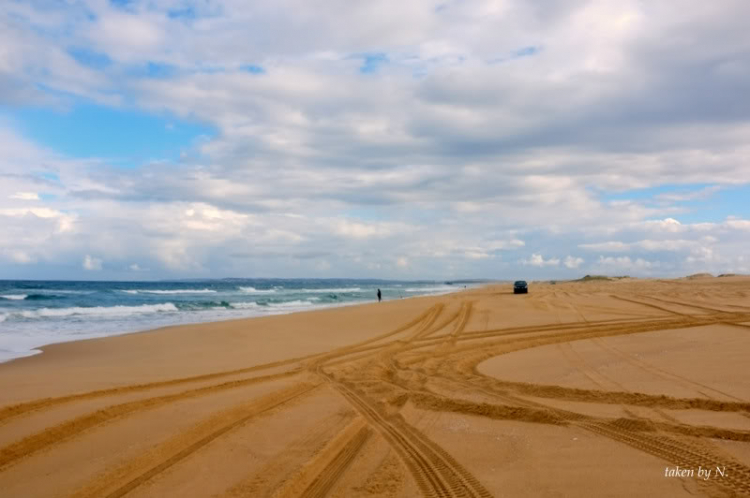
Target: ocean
{"x":35,"y":313}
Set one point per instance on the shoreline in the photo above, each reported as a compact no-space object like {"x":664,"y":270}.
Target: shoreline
{"x":39,"y":350}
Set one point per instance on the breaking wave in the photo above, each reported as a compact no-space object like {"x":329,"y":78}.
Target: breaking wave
{"x":171,"y":291}
{"x":14,"y":297}
{"x":97,"y":311}
{"x":253,"y":290}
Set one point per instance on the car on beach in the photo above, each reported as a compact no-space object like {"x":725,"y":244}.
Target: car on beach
{"x":520,"y":287}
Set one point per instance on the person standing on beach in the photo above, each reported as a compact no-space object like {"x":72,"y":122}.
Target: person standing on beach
{"x":380,"y":296}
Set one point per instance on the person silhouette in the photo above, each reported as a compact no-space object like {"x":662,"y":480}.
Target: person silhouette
{"x":380,"y":296}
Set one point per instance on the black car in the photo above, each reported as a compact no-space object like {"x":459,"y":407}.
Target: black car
{"x":520,"y":287}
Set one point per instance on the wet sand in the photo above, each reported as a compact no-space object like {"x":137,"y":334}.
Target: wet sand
{"x":576,"y":389}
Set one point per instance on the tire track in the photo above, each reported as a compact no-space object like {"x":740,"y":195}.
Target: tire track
{"x":575,"y":360}
{"x":9,"y":412}
{"x":678,"y":453}
{"x":290,"y":460}
{"x":697,"y":306}
{"x":654,"y":370}
{"x":321,"y":474}
{"x":131,"y":475}
{"x":638,"y":433}
{"x":67,"y":430}
{"x":378,"y":375}
{"x":437,"y":474}
{"x":648,"y":305}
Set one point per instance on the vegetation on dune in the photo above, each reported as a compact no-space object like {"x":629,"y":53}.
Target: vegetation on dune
{"x":589,"y":278}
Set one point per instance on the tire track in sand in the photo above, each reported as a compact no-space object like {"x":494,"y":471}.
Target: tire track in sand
{"x":130,"y":475}
{"x":319,"y":476}
{"x":9,"y":412}
{"x":69,"y":429}
{"x":437,"y":474}
{"x":638,"y":433}
{"x":654,"y":370}
{"x":289,"y":461}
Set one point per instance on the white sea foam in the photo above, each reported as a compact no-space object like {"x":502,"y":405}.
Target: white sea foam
{"x":335,"y":290}
{"x":14,"y":297}
{"x":290,"y":304}
{"x":172,"y":291}
{"x":3,"y":316}
{"x":98,"y":311}
{"x":244,"y":306}
{"x":253,"y":290}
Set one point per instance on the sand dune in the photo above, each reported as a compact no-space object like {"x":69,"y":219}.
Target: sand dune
{"x":576,"y":389}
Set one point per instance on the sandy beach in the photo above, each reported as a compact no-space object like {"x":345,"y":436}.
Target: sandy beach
{"x":602,"y":388}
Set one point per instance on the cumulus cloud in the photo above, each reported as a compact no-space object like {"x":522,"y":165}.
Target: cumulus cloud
{"x":573,"y":262}
{"x":625,"y":263}
{"x":539,"y":261}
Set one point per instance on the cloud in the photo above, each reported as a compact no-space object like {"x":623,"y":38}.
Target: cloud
{"x":91,"y":264}
{"x":464,"y":142}
{"x":680,"y":196}
{"x":539,"y":261}
{"x":612,"y":246}
{"x":359,"y":230}
{"x":572,"y":262}
{"x":25,"y":196}
{"x":624,"y":263}
{"x":649,"y":245}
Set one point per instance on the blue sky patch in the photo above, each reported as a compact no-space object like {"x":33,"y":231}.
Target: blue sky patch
{"x":372,"y":62}
{"x":701,"y":202}
{"x":53,"y":177}
{"x":658,"y":193}
{"x":124,"y":137}
{"x":254,"y":69}
{"x":90,"y":58}
{"x":517,"y":54}
{"x":526,"y":51}
{"x":121,"y":3}
{"x":187,"y":13}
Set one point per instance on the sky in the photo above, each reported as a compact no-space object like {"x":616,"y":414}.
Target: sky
{"x":498,"y":139}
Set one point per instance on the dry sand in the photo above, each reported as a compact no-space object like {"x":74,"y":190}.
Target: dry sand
{"x":576,"y":389}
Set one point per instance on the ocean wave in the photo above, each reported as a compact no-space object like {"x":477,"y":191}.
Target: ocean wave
{"x":339,"y":290}
{"x":97,"y":311}
{"x":30,"y":297}
{"x":201,"y":305}
{"x":253,"y":290}
{"x":172,"y":291}
{"x":245,"y":306}
{"x":63,"y":291}
{"x":290,"y":304}
{"x":3,"y":316}
{"x":14,"y":297}
{"x":41,"y":297}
